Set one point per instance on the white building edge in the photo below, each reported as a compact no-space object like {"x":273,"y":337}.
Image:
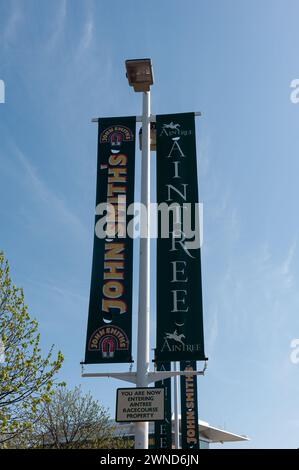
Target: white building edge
{"x":207,"y":434}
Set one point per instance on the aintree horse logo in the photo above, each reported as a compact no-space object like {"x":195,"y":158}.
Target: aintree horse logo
{"x":175,"y":337}
{"x":108,"y":340}
{"x":171,"y":129}
{"x":172,"y":126}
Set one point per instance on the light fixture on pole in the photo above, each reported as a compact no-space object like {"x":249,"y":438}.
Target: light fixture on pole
{"x":140,"y":76}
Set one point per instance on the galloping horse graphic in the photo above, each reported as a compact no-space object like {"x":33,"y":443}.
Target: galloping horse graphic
{"x":171,"y":125}
{"x":175,"y":336}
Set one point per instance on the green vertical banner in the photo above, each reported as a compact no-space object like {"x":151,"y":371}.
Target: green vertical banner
{"x":109,"y":329}
{"x":189,"y":408}
{"x":179,"y":286}
{"x":163,"y":429}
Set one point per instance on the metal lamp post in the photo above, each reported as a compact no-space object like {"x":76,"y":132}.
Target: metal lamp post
{"x":140,"y":76}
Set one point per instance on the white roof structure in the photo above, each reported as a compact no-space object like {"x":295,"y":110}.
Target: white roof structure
{"x":215,"y":435}
{"x":207,"y":432}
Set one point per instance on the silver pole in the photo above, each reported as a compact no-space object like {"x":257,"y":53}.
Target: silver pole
{"x":143,"y":343}
{"x":176,"y":410}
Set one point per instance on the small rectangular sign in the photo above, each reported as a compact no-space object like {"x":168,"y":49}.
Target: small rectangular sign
{"x":140,"y":404}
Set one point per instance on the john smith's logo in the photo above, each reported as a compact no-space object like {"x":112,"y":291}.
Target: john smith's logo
{"x":116,"y":135}
{"x":108,"y":340}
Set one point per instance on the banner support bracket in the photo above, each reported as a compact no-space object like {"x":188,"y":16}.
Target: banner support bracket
{"x":152,"y":117}
{"x":151,"y":377}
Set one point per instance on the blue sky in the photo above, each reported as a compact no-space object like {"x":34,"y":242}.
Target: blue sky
{"x":62,"y":63}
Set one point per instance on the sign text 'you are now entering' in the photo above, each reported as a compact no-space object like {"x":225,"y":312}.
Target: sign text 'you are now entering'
{"x":140,"y":404}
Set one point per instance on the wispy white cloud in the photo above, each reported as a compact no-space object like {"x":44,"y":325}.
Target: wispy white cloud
{"x":276,"y":274}
{"x":58,"y":26}
{"x":59,"y":289}
{"x":87,"y":32}
{"x":212,"y":331}
{"x":287,"y":262}
{"x":87,"y":35}
{"x":254,"y":300}
{"x":48,"y":197}
{"x":204,"y":156}
{"x":10,"y":31}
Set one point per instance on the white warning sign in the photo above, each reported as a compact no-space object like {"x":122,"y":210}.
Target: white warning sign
{"x":140,"y":404}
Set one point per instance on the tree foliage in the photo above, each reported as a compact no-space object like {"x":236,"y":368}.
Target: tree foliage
{"x":73,"y":420}
{"x":26,"y":376}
